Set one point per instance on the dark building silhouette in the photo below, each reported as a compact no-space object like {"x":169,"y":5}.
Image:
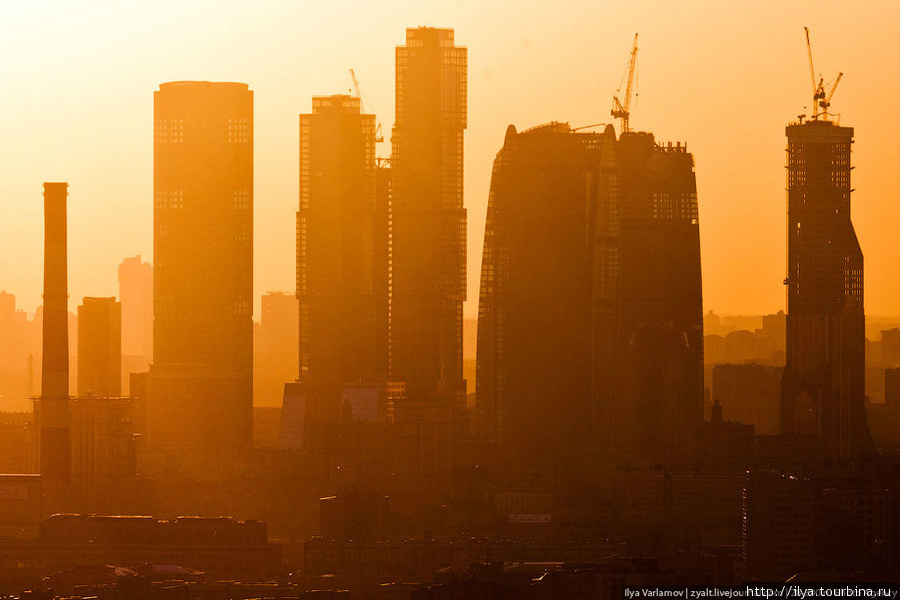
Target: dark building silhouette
{"x":751,"y":394}
{"x":336,"y":253}
{"x":202,"y":377}
{"x":52,"y":408}
{"x":660,"y":293}
{"x":590,"y":311}
{"x":100,"y":347}
{"x":823,"y":387}
{"x":548,"y":285}
{"x":428,"y":217}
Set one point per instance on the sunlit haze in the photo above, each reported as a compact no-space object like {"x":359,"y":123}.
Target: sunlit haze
{"x":725,"y":77}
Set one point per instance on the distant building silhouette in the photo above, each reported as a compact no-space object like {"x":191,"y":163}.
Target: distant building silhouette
{"x":336,"y":252}
{"x":428,"y":215}
{"x":136,"y":296}
{"x":548,"y":289}
{"x":202,"y":377}
{"x":276,"y":354}
{"x":100,"y":347}
{"x":823,"y":387}
{"x":51,"y":410}
{"x":660,"y":294}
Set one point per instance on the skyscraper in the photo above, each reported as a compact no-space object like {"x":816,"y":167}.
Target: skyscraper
{"x":823,"y":387}
{"x":548,"y":285}
{"x":335,"y":252}
{"x":201,"y":381}
{"x":100,"y":347}
{"x":660,"y":294}
{"x":428,"y":216}
{"x":590,"y":310}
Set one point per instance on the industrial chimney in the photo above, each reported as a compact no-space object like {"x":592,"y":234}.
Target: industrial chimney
{"x":52,"y":409}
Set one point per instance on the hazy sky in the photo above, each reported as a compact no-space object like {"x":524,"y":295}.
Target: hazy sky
{"x":77,"y":106}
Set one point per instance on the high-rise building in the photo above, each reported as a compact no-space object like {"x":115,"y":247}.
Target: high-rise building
{"x":428,"y":216}
{"x":136,"y":296}
{"x":590,"y":310}
{"x":336,"y":252}
{"x":823,"y":387}
{"x":202,"y":377}
{"x":660,"y":298}
{"x":548,"y":285}
{"x":100,"y":348}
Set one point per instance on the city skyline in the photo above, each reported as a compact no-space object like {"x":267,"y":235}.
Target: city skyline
{"x":696,"y":98}
{"x":612,"y":429}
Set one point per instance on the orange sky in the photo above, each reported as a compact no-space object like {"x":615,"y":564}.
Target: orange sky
{"x":723,"y":76}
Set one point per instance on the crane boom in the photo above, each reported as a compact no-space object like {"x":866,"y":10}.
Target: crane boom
{"x":812,"y":68}
{"x":833,"y":87}
{"x":356,"y":85}
{"x":621,"y":110}
{"x":379,"y":137}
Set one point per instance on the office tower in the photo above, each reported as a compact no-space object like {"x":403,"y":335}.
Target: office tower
{"x":52,"y":408}
{"x":277,"y":354}
{"x":335,"y":252}
{"x":136,"y":296}
{"x":202,"y":377}
{"x":660,"y":295}
{"x":548,"y":285}
{"x":823,"y":387}
{"x":100,"y":348}
{"x":428,"y":217}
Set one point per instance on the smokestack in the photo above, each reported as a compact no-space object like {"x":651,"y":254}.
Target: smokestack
{"x":54,"y":402}
{"x":55,"y":365}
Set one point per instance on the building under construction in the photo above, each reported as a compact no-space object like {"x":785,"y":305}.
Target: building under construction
{"x":590,"y":312}
{"x":823,"y":386}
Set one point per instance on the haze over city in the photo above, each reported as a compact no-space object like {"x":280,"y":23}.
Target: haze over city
{"x":578,"y":300}
{"x":714,"y":74}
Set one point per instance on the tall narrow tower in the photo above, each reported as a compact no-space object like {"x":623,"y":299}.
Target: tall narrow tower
{"x":202,"y":378}
{"x":429,"y":219}
{"x":336,"y":252}
{"x":52,"y":409}
{"x":823,"y":386}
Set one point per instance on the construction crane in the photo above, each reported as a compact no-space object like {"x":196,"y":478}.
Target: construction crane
{"x":820,"y":99}
{"x":620,"y":110}
{"x":379,"y":137}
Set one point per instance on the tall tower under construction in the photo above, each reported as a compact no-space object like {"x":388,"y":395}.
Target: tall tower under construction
{"x":336,"y":250}
{"x":429,"y":220}
{"x":823,"y":386}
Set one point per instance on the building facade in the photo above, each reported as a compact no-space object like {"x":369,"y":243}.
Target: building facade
{"x":547,"y":282}
{"x":202,"y":377}
{"x":660,"y":297}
